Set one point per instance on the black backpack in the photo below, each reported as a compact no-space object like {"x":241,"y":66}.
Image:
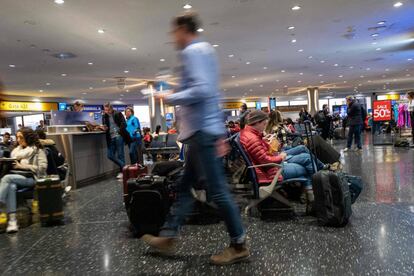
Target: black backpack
{"x":332,"y":198}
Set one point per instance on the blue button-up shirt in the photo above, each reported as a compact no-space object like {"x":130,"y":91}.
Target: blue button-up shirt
{"x":199,"y":95}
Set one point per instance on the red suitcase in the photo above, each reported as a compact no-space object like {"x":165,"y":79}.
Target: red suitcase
{"x":131,"y":171}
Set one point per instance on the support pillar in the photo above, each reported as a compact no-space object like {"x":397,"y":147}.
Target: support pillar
{"x":157,"y":111}
{"x":313,"y":100}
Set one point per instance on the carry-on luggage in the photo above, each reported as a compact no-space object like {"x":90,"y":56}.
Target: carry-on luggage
{"x":149,"y":203}
{"x":324,"y":151}
{"x":164,"y":168}
{"x":131,"y":171}
{"x":332,"y":204}
{"x":49,"y":194}
{"x":355,"y":186}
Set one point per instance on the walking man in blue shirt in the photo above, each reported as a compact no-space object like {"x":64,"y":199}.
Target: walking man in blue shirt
{"x":201,"y":127}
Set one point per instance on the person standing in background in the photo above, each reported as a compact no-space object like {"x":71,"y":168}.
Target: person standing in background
{"x":410,"y":97}
{"x":41,"y":126}
{"x":355,"y":123}
{"x":243,"y":115}
{"x":116,"y":136}
{"x":202,"y":131}
{"x":134,"y":130}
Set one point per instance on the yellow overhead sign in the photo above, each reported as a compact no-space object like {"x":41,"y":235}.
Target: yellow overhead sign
{"x":27,"y":106}
{"x":232,"y":105}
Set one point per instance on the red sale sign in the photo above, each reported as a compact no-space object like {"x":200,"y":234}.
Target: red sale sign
{"x":382,"y":111}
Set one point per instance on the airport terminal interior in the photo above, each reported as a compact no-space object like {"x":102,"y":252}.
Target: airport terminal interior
{"x":302,"y":112}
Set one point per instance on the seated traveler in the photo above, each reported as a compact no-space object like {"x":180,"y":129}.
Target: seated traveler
{"x":251,"y":137}
{"x":32,"y":162}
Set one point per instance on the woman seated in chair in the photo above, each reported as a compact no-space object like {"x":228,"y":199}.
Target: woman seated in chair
{"x":259,"y":152}
{"x":31,"y":162}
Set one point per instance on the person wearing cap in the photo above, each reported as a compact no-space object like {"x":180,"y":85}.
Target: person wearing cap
{"x":355,"y":122}
{"x":251,"y":137}
{"x":201,"y":131}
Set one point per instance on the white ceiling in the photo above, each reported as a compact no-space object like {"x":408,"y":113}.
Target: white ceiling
{"x":254,"y":31}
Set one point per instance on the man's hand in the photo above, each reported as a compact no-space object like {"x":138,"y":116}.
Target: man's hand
{"x":283,"y":155}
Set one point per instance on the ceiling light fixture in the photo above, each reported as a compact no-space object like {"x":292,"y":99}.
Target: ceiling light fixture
{"x":291,"y":27}
{"x":261,"y":85}
{"x":48,"y":83}
{"x":409,"y":59}
{"x":293,"y":41}
{"x":200,"y":30}
{"x":299,"y":81}
{"x":375,"y":35}
{"x":247,"y":62}
{"x":362,"y":76}
{"x":296,"y":8}
{"x":283,"y":71}
{"x":378,"y":49}
{"x":320,"y":75}
{"x":300,"y":50}
{"x":60,"y":2}
{"x":336,"y":64}
{"x":398,"y":4}
{"x":103,"y":80}
{"x":374,"y":43}
{"x":265,"y":68}
{"x":301,"y":74}
{"x":41,"y":91}
{"x":126,"y":71}
{"x":187,"y":6}
{"x":215,"y":45}
{"x":101,"y":31}
{"x":84,"y":93}
{"x":233,"y":77}
{"x":322,"y":61}
{"x":162,"y":60}
{"x":12,"y":65}
{"x":340,"y":76}
{"x":310,"y":57}
{"x":90,"y":88}
{"x":231,"y":55}
{"x":133,"y":48}
{"x":63,"y":75}
{"x":322,"y":82}
{"x":368,"y":69}
{"x":381,"y":22}
{"x":90,"y":63}
{"x":387,"y":69}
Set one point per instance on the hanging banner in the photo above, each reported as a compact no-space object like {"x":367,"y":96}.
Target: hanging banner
{"x":382,"y":111}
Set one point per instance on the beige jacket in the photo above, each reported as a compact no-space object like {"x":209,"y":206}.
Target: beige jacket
{"x":31,"y":158}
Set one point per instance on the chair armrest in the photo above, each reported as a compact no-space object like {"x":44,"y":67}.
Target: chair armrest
{"x":266,"y":165}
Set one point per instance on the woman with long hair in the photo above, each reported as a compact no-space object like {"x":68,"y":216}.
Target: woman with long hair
{"x":32,"y":162}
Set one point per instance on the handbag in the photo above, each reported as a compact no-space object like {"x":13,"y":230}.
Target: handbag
{"x":25,"y":173}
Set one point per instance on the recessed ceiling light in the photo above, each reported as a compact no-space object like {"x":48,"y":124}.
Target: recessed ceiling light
{"x":310,"y":57}
{"x":200,"y":30}
{"x":336,"y":64}
{"x":277,"y":80}
{"x":91,"y":88}
{"x":360,"y":84}
{"x":237,"y":84}
{"x":231,"y":55}
{"x":41,"y":91}
{"x":378,"y":49}
{"x":261,"y":85}
{"x":103,"y":80}
{"x":301,"y":74}
{"x":345,"y":81}
{"x":90,"y":63}
{"x":299,"y":81}
{"x":370,"y":81}
{"x":320,"y":75}
{"x":283,"y":71}
{"x":285,"y":86}
{"x":48,"y":83}
{"x":293,"y":41}
{"x":187,"y":6}
{"x":215,"y":45}
{"x":127,"y":90}
{"x":126,"y":71}
{"x":133,"y":48}
{"x":291,"y":27}
{"x":362,"y":76}
{"x":368,"y":69}
{"x":251,"y":90}
{"x":247,"y":62}
{"x":300,"y":50}
{"x":322,"y":82}
{"x":162,"y":60}
{"x":101,"y":31}
{"x":265,"y":68}
{"x":60,"y":2}
{"x":381,"y":22}
{"x":233,"y":77}
{"x":121,"y":95}
{"x":322,"y":61}
{"x":375,"y":35}
{"x":409,"y":59}
{"x":63,"y":75}
{"x":387,"y":69}
{"x":12,"y":65}
{"x":295,"y":8}
{"x":255,"y":79}
{"x":84,"y":93}
{"x":36,"y":100}
{"x":398,"y":4}
{"x":340,"y":76}
{"x":351,"y":67}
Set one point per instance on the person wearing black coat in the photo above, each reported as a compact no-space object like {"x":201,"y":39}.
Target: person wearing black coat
{"x":355,"y":122}
{"x":116,"y":136}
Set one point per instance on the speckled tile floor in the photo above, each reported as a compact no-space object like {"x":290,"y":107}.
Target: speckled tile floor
{"x":378,"y":241}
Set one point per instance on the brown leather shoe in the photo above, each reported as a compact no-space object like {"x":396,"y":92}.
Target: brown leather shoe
{"x":230,"y":255}
{"x":161,"y":244}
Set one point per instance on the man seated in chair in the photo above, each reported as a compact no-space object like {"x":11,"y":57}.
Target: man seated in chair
{"x":258,"y":150}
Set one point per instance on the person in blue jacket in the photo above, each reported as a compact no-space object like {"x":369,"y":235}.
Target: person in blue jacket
{"x":134,"y":130}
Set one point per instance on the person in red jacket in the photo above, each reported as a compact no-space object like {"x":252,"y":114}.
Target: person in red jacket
{"x":251,"y":137}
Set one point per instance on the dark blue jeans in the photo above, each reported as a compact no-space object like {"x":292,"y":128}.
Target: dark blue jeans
{"x":301,"y":156}
{"x":133,"y":151}
{"x":116,"y":152}
{"x":355,"y":131}
{"x":201,"y":160}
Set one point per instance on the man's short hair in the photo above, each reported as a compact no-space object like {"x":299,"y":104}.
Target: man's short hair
{"x":109,"y":105}
{"x":6,"y":134}
{"x":189,"y":20}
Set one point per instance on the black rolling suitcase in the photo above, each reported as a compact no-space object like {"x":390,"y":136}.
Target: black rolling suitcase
{"x":324,"y":151}
{"x":332,"y":205}
{"x":49,"y":193}
{"x":149,"y":204}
